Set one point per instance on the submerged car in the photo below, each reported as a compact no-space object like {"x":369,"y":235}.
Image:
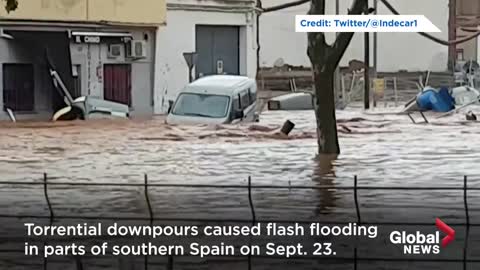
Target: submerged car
{"x":89,"y":107}
{"x":216,"y":99}
{"x":291,"y":102}
{"x":84,"y":107}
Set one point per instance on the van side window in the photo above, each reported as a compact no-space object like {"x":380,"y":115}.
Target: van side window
{"x":236,"y":103}
{"x":245,"y":99}
{"x":252,"y":96}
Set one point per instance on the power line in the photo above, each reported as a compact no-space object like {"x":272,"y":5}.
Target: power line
{"x":435,"y":39}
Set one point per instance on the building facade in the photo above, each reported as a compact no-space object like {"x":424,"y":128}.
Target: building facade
{"x":221,"y":32}
{"x":99,"y":48}
{"x":467,"y":20}
{"x":396,"y":51}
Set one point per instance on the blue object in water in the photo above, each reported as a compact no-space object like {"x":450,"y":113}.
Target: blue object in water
{"x":436,"y":100}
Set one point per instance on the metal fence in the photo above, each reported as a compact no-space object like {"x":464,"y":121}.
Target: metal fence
{"x":249,"y":187}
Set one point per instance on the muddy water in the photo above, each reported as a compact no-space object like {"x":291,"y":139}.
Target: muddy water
{"x":381,"y":148}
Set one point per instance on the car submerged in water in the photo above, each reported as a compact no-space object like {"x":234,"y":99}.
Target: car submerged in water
{"x":85,"y":107}
{"x":215,"y":99}
{"x":89,"y":107}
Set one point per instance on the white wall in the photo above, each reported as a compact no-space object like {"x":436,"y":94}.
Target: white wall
{"x":179,"y":36}
{"x":409,"y":51}
{"x":92,"y":58}
{"x":478,"y":50}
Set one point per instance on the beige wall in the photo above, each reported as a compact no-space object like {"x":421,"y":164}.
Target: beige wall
{"x":468,"y":7}
{"x":124,"y":11}
{"x":467,"y":12}
{"x":469,"y":47}
{"x":396,"y":51}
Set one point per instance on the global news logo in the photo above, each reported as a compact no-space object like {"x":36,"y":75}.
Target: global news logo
{"x":422,"y":244}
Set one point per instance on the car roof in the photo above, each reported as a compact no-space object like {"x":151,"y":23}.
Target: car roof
{"x":219,"y":84}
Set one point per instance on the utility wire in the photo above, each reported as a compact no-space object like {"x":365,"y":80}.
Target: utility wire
{"x":394,"y":11}
{"x":435,"y":39}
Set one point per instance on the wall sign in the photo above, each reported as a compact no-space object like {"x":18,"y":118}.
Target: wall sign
{"x":379,"y":87}
{"x":100,"y":37}
{"x":87,"y":39}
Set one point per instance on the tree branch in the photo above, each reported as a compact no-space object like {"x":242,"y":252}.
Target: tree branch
{"x":286,"y":5}
{"x":435,"y":39}
{"x":317,"y":44}
{"x":344,"y":38}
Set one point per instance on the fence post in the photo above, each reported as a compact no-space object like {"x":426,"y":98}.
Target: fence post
{"x":467,"y":217}
{"x":170,"y":263}
{"x":359,"y":220}
{"x":78,"y":263}
{"x":52,"y":215}
{"x":250,"y":200}
{"x":355,"y":185}
{"x":355,"y":258}
{"x":254,"y":218}
{"x":465,"y":199}
{"x":385,"y":100}
{"x":395,"y":89}
{"x":45,"y":192}
{"x":344,"y":95}
{"x":147,"y":199}
{"x":150,"y":211}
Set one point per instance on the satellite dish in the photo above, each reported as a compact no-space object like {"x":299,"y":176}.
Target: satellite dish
{"x":471,"y":67}
{"x":279,"y":62}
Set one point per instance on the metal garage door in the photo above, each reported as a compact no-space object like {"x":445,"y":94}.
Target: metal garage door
{"x":218,"y":50}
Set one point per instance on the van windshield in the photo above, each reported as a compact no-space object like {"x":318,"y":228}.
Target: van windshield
{"x":203,"y":105}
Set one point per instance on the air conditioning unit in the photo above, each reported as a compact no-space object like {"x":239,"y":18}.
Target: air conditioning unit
{"x":115,"y":50}
{"x":137,"y":49}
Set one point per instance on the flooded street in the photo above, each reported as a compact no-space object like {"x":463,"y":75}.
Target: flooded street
{"x":382,"y":149}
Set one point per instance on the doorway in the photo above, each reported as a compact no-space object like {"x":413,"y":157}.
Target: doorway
{"x":117,"y":85}
{"x":218,"y":49}
{"x":18,"y":87}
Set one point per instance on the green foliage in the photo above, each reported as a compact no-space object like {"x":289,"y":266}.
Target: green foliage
{"x":11,"y":5}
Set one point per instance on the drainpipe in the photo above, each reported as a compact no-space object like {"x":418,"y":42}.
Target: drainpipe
{"x":452,"y":33}
{"x":258,"y":10}
{"x":375,"y":43}
{"x":337,"y":76}
{"x":366,"y":93}
{"x":375,"y":49}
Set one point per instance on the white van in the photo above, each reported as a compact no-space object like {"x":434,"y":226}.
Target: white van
{"x":216,"y":99}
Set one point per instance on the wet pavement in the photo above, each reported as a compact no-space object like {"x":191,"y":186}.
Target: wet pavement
{"x":382,"y":149}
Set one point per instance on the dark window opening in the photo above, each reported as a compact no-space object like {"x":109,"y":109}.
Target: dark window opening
{"x":236,"y":106}
{"x":245,"y":100}
{"x":18,"y":87}
{"x":238,"y":103}
{"x":117,"y":84}
{"x":252,"y":96}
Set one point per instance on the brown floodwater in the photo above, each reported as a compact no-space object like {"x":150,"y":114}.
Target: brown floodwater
{"x":381,"y":148}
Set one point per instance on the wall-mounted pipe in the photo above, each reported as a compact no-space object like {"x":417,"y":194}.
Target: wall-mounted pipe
{"x":258,"y":8}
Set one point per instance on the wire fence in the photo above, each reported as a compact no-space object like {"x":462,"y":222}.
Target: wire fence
{"x":249,"y":187}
